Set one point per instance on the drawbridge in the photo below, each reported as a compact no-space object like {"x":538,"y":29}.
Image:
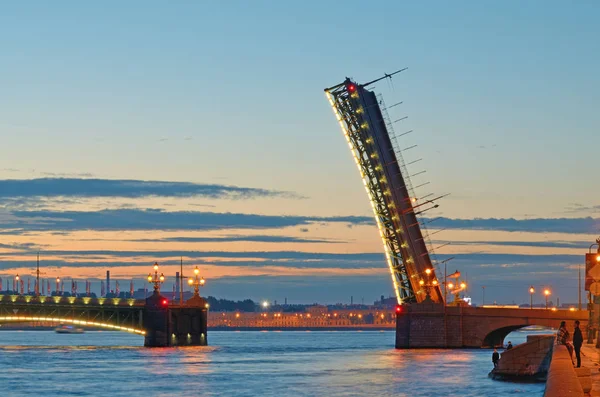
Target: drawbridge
{"x":369,"y":134}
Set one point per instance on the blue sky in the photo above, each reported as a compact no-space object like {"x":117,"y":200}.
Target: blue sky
{"x":216,"y":113}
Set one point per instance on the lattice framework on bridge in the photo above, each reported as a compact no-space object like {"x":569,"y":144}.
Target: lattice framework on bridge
{"x":118,"y":314}
{"x":365,"y":127}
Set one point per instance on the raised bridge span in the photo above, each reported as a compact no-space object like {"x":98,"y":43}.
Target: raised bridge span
{"x":423,"y":317}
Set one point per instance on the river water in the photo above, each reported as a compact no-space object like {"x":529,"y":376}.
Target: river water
{"x":319,"y":363}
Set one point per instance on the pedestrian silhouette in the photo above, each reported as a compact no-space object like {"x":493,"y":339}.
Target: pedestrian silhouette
{"x":577,"y":342}
{"x":495,"y":357}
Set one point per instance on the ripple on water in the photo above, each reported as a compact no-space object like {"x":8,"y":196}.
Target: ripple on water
{"x":243,"y":364}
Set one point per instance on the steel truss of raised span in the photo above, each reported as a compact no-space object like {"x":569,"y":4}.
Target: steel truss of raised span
{"x":106,"y":313}
{"x":367,"y":131}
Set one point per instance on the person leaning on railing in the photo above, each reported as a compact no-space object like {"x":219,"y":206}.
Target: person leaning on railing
{"x":562,"y":338}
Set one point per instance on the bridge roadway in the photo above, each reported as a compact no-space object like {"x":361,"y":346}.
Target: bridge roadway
{"x":161,"y":323}
{"x":433,"y":325}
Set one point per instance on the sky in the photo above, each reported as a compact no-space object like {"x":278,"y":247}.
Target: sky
{"x":140,"y":131}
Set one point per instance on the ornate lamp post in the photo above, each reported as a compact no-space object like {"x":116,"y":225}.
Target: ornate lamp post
{"x":156,"y":279}
{"x":547,"y":294}
{"x":531,"y":292}
{"x":428,"y":284}
{"x":456,"y":292}
{"x":196,"y":281}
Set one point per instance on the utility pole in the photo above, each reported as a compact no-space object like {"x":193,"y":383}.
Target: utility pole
{"x":483,"y":300}
{"x":37,"y":282}
{"x":579,"y":288}
{"x":181,"y":283}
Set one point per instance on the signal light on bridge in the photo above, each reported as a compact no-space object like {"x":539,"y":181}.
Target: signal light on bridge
{"x":351,"y":87}
{"x":398,"y":309}
{"x":165,"y":302}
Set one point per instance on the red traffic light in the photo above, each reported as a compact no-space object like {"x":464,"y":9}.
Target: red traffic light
{"x":351,"y":87}
{"x":398,"y":309}
{"x":165,"y":302}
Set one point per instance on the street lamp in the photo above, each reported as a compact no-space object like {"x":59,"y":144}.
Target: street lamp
{"x":17,"y":278}
{"x":428,"y":284}
{"x":196,"y":282}
{"x":57,"y":285}
{"x":547,"y":293}
{"x":265,"y":305}
{"x":156,"y":279}
{"x":531,"y":292}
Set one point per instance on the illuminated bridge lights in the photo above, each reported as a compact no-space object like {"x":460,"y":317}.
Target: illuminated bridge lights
{"x":72,"y":321}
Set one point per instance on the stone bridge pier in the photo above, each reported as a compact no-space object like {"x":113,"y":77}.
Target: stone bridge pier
{"x":175,"y":325}
{"x":433,"y":325}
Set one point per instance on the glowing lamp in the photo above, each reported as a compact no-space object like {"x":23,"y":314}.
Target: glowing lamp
{"x":463,"y":285}
{"x":547,"y":292}
{"x":434,"y":282}
{"x":598,"y":258}
{"x":156,"y":266}
{"x":398,"y":309}
{"x":165,"y":302}
{"x":202,"y":281}
{"x":531,"y":290}
{"x":162,"y":277}
{"x":196,"y":270}
{"x":450,"y":285}
{"x":428,"y":271}
{"x":351,"y":87}
{"x":17,"y":277}
{"x":149,"y":277}
{"x":421,"y":282}
{"x":190,"y":281}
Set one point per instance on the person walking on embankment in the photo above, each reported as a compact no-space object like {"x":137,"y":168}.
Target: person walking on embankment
{"x":562,"y":338}
{"x":577,"y":342}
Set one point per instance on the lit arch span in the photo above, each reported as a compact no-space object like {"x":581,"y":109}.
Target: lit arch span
{"x":72,"y":321}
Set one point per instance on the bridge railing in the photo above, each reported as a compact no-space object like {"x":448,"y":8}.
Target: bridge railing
{"x":69,"y":300}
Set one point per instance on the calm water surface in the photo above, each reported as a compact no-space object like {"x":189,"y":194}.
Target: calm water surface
{"x":40,"y":363}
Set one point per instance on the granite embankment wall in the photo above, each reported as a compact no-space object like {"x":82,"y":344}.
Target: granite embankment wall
{"x":562,"y":379}
{"x":527,"y":359}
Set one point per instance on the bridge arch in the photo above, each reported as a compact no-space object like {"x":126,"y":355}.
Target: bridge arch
{"x":488,"y":327}
{"x":66,"y":320}
{"x":497,"y":336}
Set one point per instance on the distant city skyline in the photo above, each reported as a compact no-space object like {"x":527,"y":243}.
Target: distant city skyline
{"x":209,"y":138}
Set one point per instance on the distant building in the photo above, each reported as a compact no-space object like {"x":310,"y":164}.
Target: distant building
{"x":386,"y":303}
{"x":317,"y":309}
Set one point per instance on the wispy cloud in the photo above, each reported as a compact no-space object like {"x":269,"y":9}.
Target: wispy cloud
{"x":91,"y":187}
{"x":252,"y":258}
{"x":239,"y":238}
{"x":538,"y":225}
{"x":573,"y":208}
{"x":540,"y":244}
{"x":152,"y":219}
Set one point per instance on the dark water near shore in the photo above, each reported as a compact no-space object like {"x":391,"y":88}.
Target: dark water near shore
{"x":343,"y":363}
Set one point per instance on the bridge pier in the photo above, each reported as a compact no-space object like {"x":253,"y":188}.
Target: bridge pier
{"x":172,"y":325}
{"x":433,"y":325}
